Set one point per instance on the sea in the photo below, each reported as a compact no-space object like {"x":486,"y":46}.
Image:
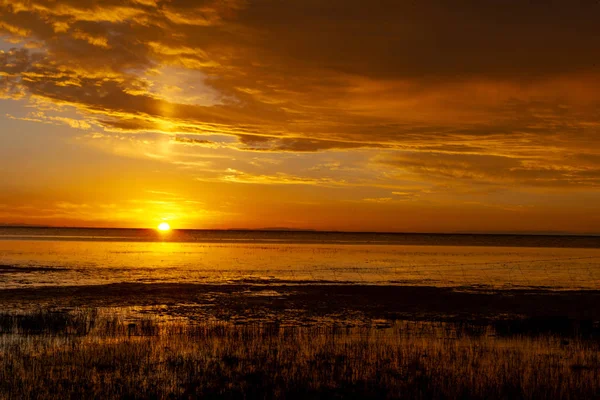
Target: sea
{"x":42,"y":257}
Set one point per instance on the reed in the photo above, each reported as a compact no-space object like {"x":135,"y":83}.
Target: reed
{"x":91,"y":354}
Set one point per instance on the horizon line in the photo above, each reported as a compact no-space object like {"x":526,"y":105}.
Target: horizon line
{"x":312,"y":230}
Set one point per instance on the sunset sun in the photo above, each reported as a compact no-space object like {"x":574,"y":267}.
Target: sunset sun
{"x":164,"y":227}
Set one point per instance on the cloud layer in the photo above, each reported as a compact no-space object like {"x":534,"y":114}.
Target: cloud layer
{"x":438,"y":94}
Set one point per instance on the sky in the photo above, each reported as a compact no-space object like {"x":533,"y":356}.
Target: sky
{"x":409,"y":116}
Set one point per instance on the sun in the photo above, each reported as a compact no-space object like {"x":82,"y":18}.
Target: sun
{"x":164,"y":227}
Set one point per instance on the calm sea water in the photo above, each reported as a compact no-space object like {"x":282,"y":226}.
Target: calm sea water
{"x":52,"y":257}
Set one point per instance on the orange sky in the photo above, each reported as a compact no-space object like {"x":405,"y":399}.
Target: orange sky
{"x":431,"y":116}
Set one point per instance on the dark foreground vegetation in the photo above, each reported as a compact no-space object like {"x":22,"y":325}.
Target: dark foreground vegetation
{"x":90,"y":353}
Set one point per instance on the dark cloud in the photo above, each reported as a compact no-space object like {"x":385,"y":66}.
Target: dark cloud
{"x":193,"y":142}
{"x":265,"y":143}
{"x":430,"y":38}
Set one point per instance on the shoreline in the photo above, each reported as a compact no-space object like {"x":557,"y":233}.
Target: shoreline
{"x":304,"y":302}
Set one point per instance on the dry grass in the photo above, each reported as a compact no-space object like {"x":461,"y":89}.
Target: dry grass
{"x":87,"y":354}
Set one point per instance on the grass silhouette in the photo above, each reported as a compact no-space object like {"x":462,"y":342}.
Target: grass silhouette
{"x":91,"y":354}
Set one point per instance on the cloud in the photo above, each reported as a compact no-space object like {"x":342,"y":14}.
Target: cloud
{"x":474,"y":91}
{"x":266,"y":143}
{"x":236,"y":176}
{"x":378,"y":200}
{"x":492,"y":169}
{"x":194,"y":142}
{"x":40,"y":116}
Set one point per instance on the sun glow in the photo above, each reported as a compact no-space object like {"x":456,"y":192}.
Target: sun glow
{"x":164,"y":227}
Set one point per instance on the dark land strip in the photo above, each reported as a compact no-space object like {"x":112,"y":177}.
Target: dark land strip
{"x":10,"y":269}
{"x":306,"y":303}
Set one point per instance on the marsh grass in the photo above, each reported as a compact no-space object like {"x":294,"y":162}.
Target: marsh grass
{"x":91,"y":354}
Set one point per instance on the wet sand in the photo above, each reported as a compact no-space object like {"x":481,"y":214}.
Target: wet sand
{"x":293,"y":303}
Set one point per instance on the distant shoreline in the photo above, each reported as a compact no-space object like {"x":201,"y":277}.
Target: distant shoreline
{"x":299,"y":237}
{"x":308,"y":230}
